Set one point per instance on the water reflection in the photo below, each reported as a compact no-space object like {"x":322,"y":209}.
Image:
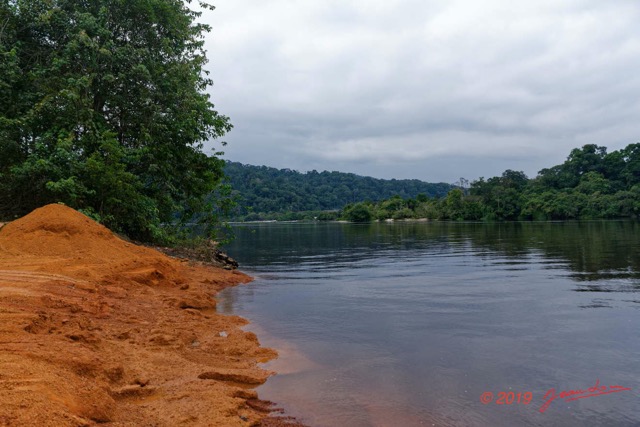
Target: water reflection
{"x":409,"y":323}
{"x":594,"y":251}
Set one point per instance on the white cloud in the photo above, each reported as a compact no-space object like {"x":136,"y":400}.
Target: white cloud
{"x":370,"y":83}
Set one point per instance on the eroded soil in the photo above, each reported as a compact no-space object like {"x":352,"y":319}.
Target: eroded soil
{"x":96,"y":330}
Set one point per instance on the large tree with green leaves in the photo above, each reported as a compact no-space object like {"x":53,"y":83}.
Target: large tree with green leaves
{"x":104,"y":107}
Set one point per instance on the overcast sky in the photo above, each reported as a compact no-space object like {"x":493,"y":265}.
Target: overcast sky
{"x":433,"y":90}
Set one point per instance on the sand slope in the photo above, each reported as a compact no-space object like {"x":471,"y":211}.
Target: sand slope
{"x":94,"y":329}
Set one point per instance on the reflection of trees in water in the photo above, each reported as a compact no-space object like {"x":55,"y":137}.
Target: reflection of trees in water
{"x":602,"y":256}
{"x":597,"y":250}
{"x":594,"y":251}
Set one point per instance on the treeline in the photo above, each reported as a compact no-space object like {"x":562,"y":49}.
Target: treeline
{"x":264,"y":193}
{"x":590,"y":184}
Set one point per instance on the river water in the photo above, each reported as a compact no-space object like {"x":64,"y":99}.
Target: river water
{"x":414,"y":323}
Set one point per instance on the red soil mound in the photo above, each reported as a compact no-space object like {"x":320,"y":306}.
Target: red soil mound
{"x":66,"y":241}
{"x":57,"y":230}
{"x":94,"y":329}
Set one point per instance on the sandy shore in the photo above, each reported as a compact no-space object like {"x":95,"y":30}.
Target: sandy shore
{"x":95,"y":330}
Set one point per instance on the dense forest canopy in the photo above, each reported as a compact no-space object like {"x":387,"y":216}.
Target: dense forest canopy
{"x":262,"y":190}
{"x":590,"y":184}
{"x":104,"y":108}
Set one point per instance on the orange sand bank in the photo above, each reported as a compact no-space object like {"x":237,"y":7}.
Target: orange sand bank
{"x":97,"y":330}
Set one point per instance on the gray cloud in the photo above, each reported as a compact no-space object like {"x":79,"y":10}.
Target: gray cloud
{"x":432,"y":90}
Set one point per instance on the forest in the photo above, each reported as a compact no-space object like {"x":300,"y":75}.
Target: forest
{"x":263,"y":193}
{"x":590,"y":184}
{"x":105,"y":108}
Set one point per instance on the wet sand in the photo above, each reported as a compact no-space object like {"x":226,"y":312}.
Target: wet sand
{"x":96,"y":330}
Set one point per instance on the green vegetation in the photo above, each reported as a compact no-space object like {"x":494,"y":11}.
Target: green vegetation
{"x":359,"y":212}
{"x":268,"y":193}
{"x":104,"y":108}
{"x":590,"y":184}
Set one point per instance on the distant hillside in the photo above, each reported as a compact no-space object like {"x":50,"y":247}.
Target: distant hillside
{"x":263,"y":189}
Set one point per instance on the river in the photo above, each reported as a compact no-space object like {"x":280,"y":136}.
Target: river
{"x":446,"y":324}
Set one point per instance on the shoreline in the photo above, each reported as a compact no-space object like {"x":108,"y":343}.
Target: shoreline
{"x":99,"y":330}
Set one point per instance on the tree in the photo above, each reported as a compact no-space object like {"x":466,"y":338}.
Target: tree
{"x":501,"y":196}
{"x":589,"y":158}
{"x":631,"y":170}
{"x":593,"y":183}
{"x":104,"y":108}
{"x":512,"y":179}
{"x":453,"y":204}
{"x":358,"y":213}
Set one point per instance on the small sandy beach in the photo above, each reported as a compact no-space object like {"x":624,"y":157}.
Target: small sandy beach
{"x":96,"y":330}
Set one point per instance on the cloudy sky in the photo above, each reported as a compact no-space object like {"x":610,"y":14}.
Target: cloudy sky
{"x":427,"y":89}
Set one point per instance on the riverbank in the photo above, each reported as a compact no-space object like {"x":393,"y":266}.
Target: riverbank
{"x":98,"y":330}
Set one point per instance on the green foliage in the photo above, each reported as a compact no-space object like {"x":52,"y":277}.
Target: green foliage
{"x":590,"y":184}
{"x":263,"y":191}
{"x":104,"y":108}
{"x":501,"y":196}
{"x":358,"y":212}
{"x":593,"y":183}
{"x":452,"y":206}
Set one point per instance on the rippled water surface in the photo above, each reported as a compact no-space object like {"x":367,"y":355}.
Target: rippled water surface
{"x":408,"y":324}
